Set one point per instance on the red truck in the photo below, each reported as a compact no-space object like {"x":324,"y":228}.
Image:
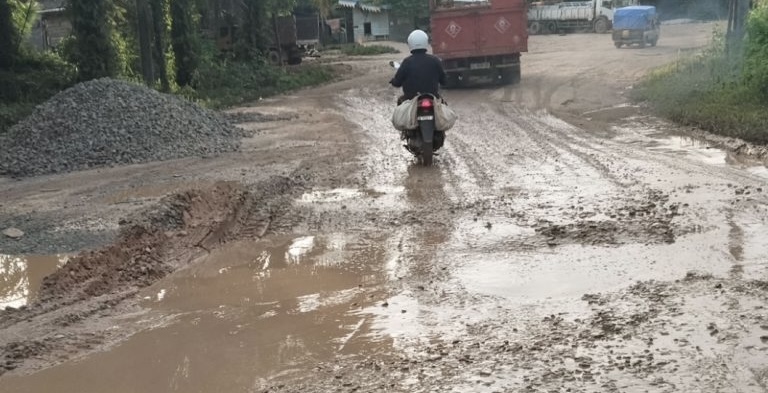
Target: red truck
{"x":479,"y":39}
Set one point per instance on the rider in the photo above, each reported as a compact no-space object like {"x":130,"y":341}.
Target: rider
{"x":420,"y":72}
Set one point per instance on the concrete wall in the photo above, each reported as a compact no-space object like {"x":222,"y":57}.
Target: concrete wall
{"x":379,"y":25}
{"x":50,"y":30}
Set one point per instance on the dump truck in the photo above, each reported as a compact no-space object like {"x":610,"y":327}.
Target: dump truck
{"x":561,"y":16}
{"x":479,"y":40}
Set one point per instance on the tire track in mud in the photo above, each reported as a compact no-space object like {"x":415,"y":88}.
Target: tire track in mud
{"x":78,"y":303}
{"x":516,"y":348}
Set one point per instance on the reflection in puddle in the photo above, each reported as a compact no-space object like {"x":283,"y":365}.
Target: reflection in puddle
{"x":696,"y":149}
{"x":21,"y":276}
{"x":383,"y":196}
{"x":249,"y":312}
{"x":571,"y":271}
{"x":651,"y":136}
{"x":337,"y":195}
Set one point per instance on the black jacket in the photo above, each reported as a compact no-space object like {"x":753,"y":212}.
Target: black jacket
{"x":419,"y":73}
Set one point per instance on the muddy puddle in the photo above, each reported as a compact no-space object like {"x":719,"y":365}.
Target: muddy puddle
{"x":21,"y":276}
{"x":656,"y":136}
{"x":247,"y":313}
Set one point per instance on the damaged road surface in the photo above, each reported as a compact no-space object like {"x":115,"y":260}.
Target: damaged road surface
{"x":564,"y":241}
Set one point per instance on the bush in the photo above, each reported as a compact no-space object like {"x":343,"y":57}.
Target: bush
{"x":34,"y":79}
{"x":756,"y":50}
{"x":708,"y":91}
{"x":226,"y":83}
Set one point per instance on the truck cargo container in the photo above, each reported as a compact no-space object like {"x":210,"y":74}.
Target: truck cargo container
{"x":479,"y":39}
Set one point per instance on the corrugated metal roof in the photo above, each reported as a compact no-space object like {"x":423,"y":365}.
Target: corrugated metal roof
{"x":363,"y":6}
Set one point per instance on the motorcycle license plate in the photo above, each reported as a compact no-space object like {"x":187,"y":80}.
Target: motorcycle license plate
{"x":479,"y":66}
{"x":421,"y":118}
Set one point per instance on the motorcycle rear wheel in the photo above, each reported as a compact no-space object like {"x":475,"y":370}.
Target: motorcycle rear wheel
{"x":426,"y":154}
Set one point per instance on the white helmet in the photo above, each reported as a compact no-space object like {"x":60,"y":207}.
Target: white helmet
{"x":418,"y":40}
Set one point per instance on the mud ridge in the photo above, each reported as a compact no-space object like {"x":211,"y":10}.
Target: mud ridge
{"x":182,"y":228}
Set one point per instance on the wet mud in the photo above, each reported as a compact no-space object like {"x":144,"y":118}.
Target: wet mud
{"x":563,"y":241}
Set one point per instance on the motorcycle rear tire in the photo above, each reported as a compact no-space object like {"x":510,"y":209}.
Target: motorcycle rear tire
{"x":426,"y":153}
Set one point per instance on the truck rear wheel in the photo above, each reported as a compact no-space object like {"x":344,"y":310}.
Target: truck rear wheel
{"x":274,"y":57}
{"x":534,"y":28}
{"x":551,"y":27}
{"x":601,"y":25}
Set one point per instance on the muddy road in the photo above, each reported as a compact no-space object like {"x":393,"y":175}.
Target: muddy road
{"x":565,"y":241}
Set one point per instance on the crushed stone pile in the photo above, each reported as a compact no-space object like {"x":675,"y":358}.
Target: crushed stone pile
{"x":107,"y":122}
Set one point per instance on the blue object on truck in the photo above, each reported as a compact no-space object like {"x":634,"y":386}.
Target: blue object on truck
{"x":636,"y":17}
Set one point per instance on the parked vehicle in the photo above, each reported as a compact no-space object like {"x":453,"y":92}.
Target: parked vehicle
{"x":636,"y":25}
{"x":594,"y":15}
{"x":479,"y":39}
{"x":291,"y":37}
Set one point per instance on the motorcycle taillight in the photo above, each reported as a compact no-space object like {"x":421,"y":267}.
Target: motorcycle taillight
{"x":425,"y":104}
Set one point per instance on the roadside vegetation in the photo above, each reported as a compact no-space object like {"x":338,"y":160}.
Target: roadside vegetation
{"x":365,"y":50}
{"x":161,"y":43}
{"x":724,"y":89}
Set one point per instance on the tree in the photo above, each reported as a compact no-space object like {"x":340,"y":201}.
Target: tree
{"x":93,"y":27}
{"x":159,"y":9}
{"x":252,"y":35}
{"x":184,"y":40}
{"x":413,"y":8}
{"x":144,"y":30}
{"x":8,"y":36}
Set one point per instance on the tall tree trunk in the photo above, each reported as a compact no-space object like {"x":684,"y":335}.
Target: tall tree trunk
{"x":144,"y":30}
{"x":8,"y":36}
{"x":184,"y":40}
{"x":252,"y":36}
{"x":158,"y":47}
{"x":96,"y":53}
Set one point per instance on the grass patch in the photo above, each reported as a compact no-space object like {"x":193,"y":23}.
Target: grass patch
{"x":707,"y":91}
{"x":363,"y":50}
{"x":229,"y":83}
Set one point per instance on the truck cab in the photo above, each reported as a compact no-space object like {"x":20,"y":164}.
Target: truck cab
{"x":636,"y":25}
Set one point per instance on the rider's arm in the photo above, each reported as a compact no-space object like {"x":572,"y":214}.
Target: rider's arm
{"x":399,"y":78}
{"x":443,"y":78}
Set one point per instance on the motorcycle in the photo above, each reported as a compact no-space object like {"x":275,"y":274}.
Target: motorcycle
{"x":425,"y":140}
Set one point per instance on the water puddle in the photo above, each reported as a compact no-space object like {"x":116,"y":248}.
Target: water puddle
{"x":21,"y":276}
{"x":690,"y":147}
{"x":381,"y":197}
{"x":571,"y":271}
{"x":655,"y":137}
{"x":249,"y":312}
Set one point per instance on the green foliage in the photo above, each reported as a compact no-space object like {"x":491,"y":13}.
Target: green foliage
{"x":161,"y":29}
{"x":756,"y":50}
{"x":97,"y":46}
{"x":227,"y":82}
{"x":8,"y":36}
{"x":708,"y":91}
{"x":184,"y":39}
{"x":34,"y":79}
{"x":412,"y":8}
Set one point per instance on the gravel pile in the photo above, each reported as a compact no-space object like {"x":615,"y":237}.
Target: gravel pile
{"x":107,"y":122}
